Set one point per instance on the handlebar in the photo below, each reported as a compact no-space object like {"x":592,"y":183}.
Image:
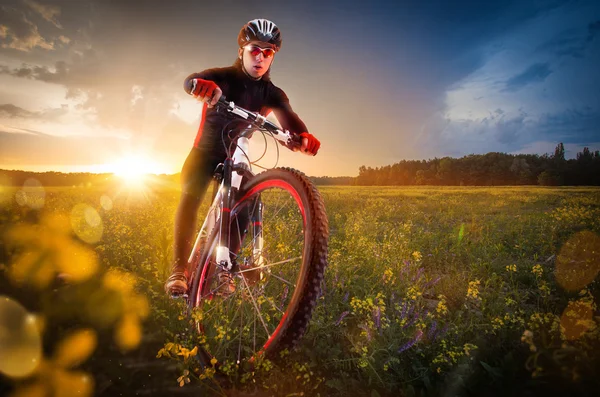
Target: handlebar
{"x":259,"y":121}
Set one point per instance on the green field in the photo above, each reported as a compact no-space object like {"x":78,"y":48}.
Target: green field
{"x":429,"y":291}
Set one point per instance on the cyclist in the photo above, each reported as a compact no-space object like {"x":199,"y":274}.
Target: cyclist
{"x":247,"y":83}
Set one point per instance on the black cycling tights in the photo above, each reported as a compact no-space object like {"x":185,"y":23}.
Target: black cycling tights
{"x":185,"y":227}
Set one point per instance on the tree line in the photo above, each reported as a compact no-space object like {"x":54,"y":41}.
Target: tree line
{"x":491,"y":169}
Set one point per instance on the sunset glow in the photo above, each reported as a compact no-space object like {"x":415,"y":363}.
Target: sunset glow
{"x":95,"y":80}
{"x":135,"y":167}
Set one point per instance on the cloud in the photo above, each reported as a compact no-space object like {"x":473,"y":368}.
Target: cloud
{"x":58,"y":74}
{"x":593,"y":30}
{"x":547,"y":147}
{"x":510,"y":133}
{"x":50,"y":114}
{"x":18,"y":32}
{"x":571,"y":125}
{"x":48,"y":12}
{"x":572,"y":42}
{"x":12,"y":111}
{"x":35,"y":148}
{"x":533,"y":74}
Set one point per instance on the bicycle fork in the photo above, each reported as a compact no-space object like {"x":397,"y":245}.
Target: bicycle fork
{"x":220,"y":212}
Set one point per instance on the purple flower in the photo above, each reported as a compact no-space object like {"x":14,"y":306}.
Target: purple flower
{"x":431,"y":332}
{"x":346,"y":297}
{"x":286,"y":290}
{"x":404,"y":308}
{"x":418,"y":275}
{"x":412,"y":342}
{"x":442,"y":332}
{"x":344,"y":314}
{"x":431,"y":283}
{"x":377,"y":317}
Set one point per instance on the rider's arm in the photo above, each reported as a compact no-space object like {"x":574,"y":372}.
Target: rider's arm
{"x":289,"y":120}
{"x":207,"y":86}
{"x":279,"y":103}
{"x":208,"y":74}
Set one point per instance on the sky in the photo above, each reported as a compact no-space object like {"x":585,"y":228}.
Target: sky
{"x":96,"y":85}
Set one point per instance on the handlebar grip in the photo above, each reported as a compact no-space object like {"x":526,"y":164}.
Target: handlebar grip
{"x":222,"y":101}
{"x":295,"y":142}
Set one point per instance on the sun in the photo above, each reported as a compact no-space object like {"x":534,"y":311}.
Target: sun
{"x":135,"y":168}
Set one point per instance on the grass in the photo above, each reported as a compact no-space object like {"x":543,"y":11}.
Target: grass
{"x":429,"y":290}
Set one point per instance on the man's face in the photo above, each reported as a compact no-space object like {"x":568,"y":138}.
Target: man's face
{"x":257,"y":57}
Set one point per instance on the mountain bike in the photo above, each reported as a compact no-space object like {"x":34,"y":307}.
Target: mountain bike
{"x":258,"y":261}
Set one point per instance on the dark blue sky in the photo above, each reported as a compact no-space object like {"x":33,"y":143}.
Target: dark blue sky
{"x":376,"y":81}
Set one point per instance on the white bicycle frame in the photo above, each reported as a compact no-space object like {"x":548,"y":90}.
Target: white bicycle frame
{"x":240,"y":155}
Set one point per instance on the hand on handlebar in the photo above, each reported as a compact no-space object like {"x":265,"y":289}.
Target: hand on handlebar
{"x":206,"y":91}
{"x":310,"y":144}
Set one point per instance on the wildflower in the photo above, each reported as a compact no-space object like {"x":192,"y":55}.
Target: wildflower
{"x":283,"y":298}
{"x":418,"y":275}
{"x":537,"y":270}
{"x":377,"y":316}
{"x":183,"y":379}
{"x":412,"y":342}
{"x":497,"y":323}
{"x":468,"y":347}
{"x":431,"y":332}
{"x":342,"y":316}
{"x":417,"y":256}
{"x":511,"y":268}
{"x":441,"y":307}
{"x":510,"y":301}
{"x":431,"y":283}
{"x":544,"y":288}
{"x":473,"y":290}
{"x":366,"y":331}
{"x":388,"y":276}
{"x":413,"y":292}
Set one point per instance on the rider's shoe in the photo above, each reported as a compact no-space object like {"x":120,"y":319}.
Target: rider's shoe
{"x":176,"y":285}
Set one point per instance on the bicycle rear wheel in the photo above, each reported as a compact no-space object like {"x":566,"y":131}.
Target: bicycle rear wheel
{"x":278,"y":242}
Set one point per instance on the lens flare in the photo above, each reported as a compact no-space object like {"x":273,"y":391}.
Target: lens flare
{"x":577,"y":319}
{"x":31,"y":195}
{"x":578,"y":262}
{"x":86,"y":223}
{"x":20,"y":340}
{"x":106,"y":203}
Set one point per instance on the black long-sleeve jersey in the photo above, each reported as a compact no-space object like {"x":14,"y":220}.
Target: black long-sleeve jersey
{"x":260,"y":96}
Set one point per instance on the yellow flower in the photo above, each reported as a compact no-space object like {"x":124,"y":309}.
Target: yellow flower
{"x":511,"y":268}
{"x":417,"y":256}
{"x":473,"y":290}
{"x":537,"y":270}
{"x":441,"y":308}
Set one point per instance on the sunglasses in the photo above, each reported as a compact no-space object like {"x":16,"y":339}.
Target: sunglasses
{"x":255,"y":50}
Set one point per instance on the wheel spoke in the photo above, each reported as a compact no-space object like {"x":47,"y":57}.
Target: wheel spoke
{"x":267,"y":243}
{"x":271,"y":264}
{"x":256,"y":307}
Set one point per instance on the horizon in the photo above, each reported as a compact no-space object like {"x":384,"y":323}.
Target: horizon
{"x":403,"y":81}
{"x":117,"y":173}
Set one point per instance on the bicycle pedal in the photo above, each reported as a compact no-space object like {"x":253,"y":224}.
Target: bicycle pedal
{"x":178,"y":296}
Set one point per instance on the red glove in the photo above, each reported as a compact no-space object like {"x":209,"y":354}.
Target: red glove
{"x":203,"y":88}
{"x":313,"y":144}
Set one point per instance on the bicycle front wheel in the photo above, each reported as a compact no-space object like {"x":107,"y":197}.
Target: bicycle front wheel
{"x":278,"y":243}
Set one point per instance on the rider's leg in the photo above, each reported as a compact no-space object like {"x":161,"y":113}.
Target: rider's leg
{"x":195,"y":177}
